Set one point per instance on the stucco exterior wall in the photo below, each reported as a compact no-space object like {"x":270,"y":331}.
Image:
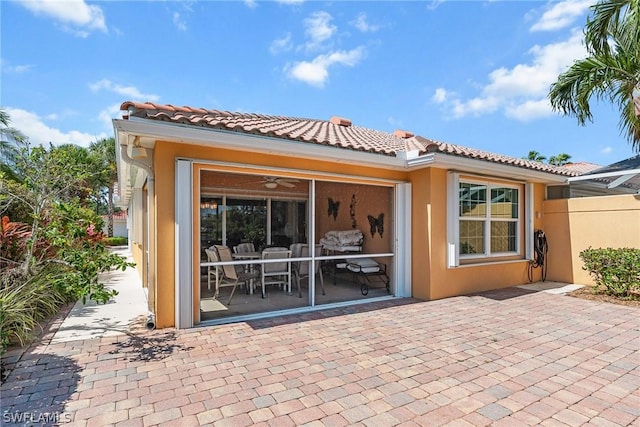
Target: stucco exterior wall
{"x":165,"y":154}
{"x":431,"y":277}
{"x":573,"y":225}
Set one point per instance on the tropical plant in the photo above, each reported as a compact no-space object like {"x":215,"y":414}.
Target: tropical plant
{"x":104,"y":154}
{"x":535,"y":156}
{"x":53,"y":251}
{"x":559,"y":160}
{"x":611,"y":70}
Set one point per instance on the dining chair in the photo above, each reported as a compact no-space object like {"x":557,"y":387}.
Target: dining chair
{"x":276,"y":273}
{"x":216,"y":271}
{"x":234,"y":274}
{"x":245,"y":247}
{"x":301,"y":268}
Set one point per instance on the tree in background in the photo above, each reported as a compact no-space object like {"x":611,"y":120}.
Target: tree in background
{"x":104,"y":154}
{"x":535,"y":156}
{"x":559,"y":160}
{"x":9,"y":137}
{"x":611,"y":71}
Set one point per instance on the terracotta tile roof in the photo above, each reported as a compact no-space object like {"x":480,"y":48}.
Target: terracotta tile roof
{"x":458,"y":150}
{"x":582,"y":167}
{"x":337,"y":132}
{"x":116,"y":215}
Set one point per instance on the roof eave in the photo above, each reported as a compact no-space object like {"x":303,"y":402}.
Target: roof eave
{"x":247,"y":142}
{"x":484,"y":167}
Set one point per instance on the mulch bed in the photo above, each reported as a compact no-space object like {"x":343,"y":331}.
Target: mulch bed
{"x":586,"y":292}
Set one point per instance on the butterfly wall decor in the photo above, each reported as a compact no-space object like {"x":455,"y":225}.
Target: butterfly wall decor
{"x":377,"y":224}
{"x":333,"y":208}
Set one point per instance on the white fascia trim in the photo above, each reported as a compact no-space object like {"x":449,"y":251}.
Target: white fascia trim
{"x":484,"y":167}
{"x":248,"y":142}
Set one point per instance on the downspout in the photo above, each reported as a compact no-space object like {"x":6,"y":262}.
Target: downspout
{"x":151,"y":270}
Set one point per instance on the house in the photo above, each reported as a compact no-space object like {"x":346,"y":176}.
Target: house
{"x":441,"y":220}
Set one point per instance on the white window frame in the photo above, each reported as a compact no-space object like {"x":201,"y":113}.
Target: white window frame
{"x":453,"y":219}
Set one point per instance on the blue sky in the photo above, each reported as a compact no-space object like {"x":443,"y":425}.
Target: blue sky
{"x":474,"y":73}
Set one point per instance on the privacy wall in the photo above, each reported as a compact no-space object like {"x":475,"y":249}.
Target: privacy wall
{"x":573,"y":225}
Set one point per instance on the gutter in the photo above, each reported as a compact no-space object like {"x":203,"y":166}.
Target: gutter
{"x":151,"y":269}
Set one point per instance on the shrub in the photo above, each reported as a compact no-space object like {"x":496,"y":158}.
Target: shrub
{"x":114,"y":241}
{"x":615,"y":271}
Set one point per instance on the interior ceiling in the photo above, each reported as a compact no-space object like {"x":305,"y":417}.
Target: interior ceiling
{"x":214,"y":179}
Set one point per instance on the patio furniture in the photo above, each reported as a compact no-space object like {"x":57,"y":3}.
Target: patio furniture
{"x":366,"y":269}
{"x":249,"y":267}
{"x":340,"y":242}
{"x":216,"y":271}
{"x":276,"y":273}
{"x":234,"y":274}
{"x":244,"y":248}
{"x":301,"y":268}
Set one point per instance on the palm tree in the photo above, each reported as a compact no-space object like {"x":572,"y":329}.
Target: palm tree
{"x":559,"y":160}
{"x":535,"y":156}
{"x":611,"y":71}
{"x":10,"y":140}
{"x":104,"y":151}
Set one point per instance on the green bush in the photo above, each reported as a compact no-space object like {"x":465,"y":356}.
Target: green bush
{"x":114,"y":241}
{"x":615,"y":271}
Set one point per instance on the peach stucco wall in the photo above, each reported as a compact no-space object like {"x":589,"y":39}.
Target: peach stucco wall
{"x":165,"y":154}
{"x":572,"y":225}
{"x":431,"y":278}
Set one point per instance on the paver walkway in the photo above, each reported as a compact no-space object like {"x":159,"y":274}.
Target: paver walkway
{"x":512,"y":357}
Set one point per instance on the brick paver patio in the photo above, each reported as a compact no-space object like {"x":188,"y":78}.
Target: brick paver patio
{"x":504,"y":358}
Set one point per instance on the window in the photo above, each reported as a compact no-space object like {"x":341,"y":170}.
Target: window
{"x":488,"y":219}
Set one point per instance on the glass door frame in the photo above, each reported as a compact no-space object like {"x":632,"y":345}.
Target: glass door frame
{"x":401,"y":223}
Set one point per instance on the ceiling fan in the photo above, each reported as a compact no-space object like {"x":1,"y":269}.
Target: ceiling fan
{"x":272,"y":182}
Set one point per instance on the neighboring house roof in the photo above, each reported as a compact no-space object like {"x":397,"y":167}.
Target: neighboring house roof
{"x":336,"y":132}
{"x":116,"y":215}
{"x":582,"y":167}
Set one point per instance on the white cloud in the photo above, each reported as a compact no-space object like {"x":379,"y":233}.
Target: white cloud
{"x":606,"y":150}
{"x":251,"y":4}
{"x":363,"y":25}
{"x":15,"y":69}
{"x":529,"y":110}
{"x":111,"y":112}
{"x":179,"y":22}
{"x":82,"y":18}
{"x":521,"y":91}
{"x":281,"y":45}
{"x":316,"y":72}
{"x":318,"y":29}
{"x":38,"y":132}
{"x":439,"y":96}
{"x":129,"y":91}
{"x":291,"y":2}
{"x":561,"y":15}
